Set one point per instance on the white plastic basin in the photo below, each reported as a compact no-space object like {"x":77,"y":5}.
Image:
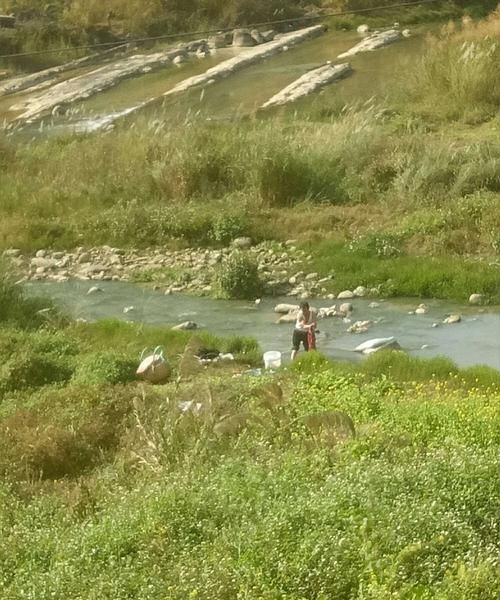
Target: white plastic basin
{"x":272,"y":359}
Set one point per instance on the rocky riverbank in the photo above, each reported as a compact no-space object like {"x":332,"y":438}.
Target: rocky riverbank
{"x":282,"y":267}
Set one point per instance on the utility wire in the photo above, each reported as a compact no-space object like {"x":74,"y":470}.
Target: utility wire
{"x":219,"y":30}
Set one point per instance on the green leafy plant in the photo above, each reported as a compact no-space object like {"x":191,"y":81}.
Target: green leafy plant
{"x":238,"y":277}
{"x":104,"y":368}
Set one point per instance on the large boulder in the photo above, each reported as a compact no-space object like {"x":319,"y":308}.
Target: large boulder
{"x":242,"y":38}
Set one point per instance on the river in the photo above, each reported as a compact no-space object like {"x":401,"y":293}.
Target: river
{"x":473,"y":341}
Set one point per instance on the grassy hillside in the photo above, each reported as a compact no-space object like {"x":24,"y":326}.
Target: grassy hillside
{"x":110,"y":490}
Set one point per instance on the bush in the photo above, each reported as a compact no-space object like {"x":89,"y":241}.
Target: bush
{"x":226,"y":228}
{"x":31,"y":370}
{"x":238,"y":277}
{"x":104,"y":368}
{"x":16,"y":308}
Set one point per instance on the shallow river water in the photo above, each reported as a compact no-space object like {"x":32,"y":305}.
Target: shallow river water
{"x":476,"y":340}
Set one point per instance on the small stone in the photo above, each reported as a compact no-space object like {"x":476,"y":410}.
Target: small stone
{"x":359,"y":327}
{"x":97,"y":269}
{"x":305,"y":296}
{"x":311,"y":276}
{"x":58,"y":255}
{"x":242,"y":243}
{"x":168,"y":292}
{"x":187,"y":326}
{"x":179,"y":60}
{"x":360,"y":291}
{"x":345,"y":295}
{"x":47,"y":263}
{"x":374,"y":291}
{"x":128,"y":309}
{"x":346,"y":308}
{"x":284,"y":309}
{"x":292,"y":281}
{"x":94,"y":290}
{"x":422,"y":309}
{"x":374,"y":305}
{"x":84,"y":258}
{"x":476,"y":299}
{"x":41,"y":254}
{"x":12,"y":253}
{"x":452,"y":319}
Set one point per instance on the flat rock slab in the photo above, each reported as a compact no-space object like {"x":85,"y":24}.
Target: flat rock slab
{"x":373,"y":42}
{"x":228,"y":67}
{"x":47,"y":76}
{"x":248,"y":58}
{"x":309,"y":83}
{"x":89,"y":84}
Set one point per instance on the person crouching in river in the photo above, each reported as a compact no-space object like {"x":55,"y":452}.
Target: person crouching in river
{"x":304,"y":332}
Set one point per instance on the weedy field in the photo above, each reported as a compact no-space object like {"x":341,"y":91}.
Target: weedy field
{"x":325,"y":480}
{"x":321,"y":481}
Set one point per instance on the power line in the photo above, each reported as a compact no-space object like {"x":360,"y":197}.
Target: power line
{"x":219,"y":30}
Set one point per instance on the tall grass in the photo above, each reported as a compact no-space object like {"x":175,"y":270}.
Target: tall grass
{"x":21,"y":310}
{"x":137,"y":188}
{"x":459,"y":74}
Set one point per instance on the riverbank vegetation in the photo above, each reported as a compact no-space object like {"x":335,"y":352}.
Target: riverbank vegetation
{"x":374,"y":189}
{"x":325,"y":480}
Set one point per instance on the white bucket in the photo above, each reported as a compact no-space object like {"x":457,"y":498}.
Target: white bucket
{"x":272,"y":359}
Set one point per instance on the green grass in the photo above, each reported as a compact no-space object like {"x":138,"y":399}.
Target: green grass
{"x":139,"y":502}
{"x":405,"y":276}
{"x":113,"y":489}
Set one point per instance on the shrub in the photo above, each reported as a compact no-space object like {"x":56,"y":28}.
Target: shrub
{"x":227,"y":227}
{"x":244,"y":348}
{"x":238,"y":277}
{"x":383,"y":245}
{"x":104,"y":368}
{"x":18,"y":309}
{"x":31,"y":370}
